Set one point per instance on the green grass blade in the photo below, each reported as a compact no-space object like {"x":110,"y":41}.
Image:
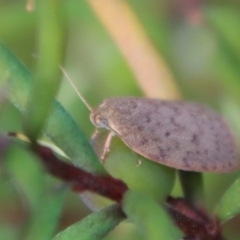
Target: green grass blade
{"x":26,"y":174}
{"x":225,"y":21}
{"x":192,"y":185}
{"x":229,"y":205}
{"x":45,"y":216}
{"x":60,"y":127}
{"x":225,"y":64}
{"x":47,"y":77}
{"x":93,"y":227}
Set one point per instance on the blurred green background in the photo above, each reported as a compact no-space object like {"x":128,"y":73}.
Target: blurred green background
{"x":198,"y":39}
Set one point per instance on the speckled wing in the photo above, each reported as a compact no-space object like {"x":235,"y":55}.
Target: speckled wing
{"x":183,"y":135}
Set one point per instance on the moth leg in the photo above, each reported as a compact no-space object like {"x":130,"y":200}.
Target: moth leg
{"x":96,"y":132}
{"x":107,"y":144}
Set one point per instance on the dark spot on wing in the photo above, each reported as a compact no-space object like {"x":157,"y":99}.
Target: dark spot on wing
{"x":217,"y":145}
{"x":188,"y":153}
{"x":148,"y":119}
{"x":213,"y":167}
{"x":175,"y":108}
{"x":153,"y":157}
{"x":174,"y":123}
{"x":185,"y":162}
{"x":132,"y":104}
{"x":167,"y":134}
{"x":140,"y":128}
{"x":172,"y":120}
{"x":195,"y":139}
{"x":177,"y":146}
{"x":162,"y":153}
{"x":143,"y":141}
{"x":204,"y":167}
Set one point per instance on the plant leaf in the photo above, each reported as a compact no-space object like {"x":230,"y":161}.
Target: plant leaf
{"x":93,"y":227}
{"x":60,"y":126}
{"x":150,"y":218}
{"x":229,"y":205}
{"x":47,"y":77}
{"x":46,"y":215}
{"x":225,"y":21}
{"x":30,"y":184}
{"x":192,"y":185}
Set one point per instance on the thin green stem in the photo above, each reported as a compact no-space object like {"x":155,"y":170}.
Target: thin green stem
{"x":47,"y":77}
{"x":192,"y":186}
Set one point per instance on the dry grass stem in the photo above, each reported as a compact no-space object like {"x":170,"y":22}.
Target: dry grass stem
{"x":150,"y":70}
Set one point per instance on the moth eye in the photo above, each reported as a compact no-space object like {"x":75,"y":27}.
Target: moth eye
{"x":101,"y":122}
{"x":104,"y":121}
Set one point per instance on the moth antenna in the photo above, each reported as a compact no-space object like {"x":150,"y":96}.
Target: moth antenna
{"x":76,"y":90}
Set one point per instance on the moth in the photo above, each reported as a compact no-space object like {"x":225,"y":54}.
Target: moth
{"x":178,"y":134}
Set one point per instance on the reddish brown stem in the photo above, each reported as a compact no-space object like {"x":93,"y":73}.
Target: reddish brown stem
{"x":106,"y":186}
{"x":193,"y":221}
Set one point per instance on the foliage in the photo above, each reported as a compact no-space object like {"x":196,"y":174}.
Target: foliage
{"x":191,"y":48}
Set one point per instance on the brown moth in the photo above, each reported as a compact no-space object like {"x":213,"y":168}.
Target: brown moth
{"x":178,"y":134}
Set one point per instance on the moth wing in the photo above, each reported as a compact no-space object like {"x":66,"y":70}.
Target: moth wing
{"x":178,"y":134}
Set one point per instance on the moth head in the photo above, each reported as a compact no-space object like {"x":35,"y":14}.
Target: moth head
{"x":99,"y":116}
{"x":98,"y":120}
